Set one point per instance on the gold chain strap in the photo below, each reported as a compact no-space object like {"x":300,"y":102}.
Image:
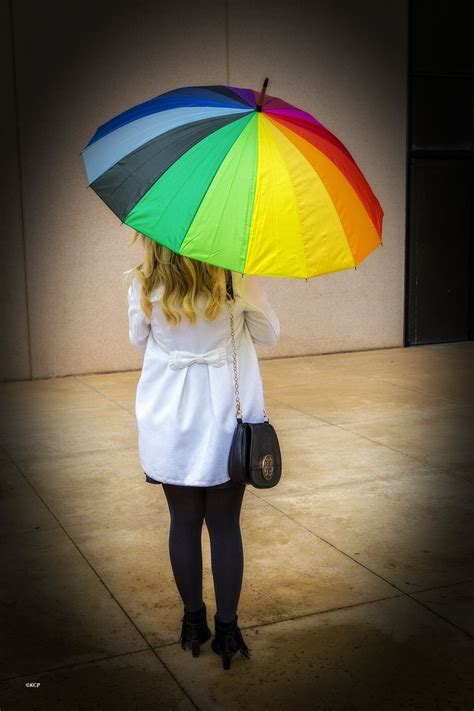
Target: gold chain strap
{"x":238,"y":410}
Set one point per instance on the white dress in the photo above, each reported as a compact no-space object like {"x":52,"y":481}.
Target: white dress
{"x":185,"y":401}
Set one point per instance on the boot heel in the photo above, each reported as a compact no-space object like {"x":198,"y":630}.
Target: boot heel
{"x":228,"y":640}
{"x":226,"y":657}
{"x":194,"y":630}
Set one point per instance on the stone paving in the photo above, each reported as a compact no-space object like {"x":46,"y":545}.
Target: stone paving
{"x":359,"y":566}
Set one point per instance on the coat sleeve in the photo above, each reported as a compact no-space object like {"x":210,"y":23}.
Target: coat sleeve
{"x":261,"y":319}
{"x":138,"y":325}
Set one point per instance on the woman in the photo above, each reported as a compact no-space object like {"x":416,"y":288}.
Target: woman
{"x":185,"y":411}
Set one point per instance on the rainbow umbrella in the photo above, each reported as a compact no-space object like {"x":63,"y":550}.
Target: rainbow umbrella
{"x":243,"y":181}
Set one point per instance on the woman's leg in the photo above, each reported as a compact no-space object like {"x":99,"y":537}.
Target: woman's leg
{"x":186,"y":505}
{"x":222,"y":514}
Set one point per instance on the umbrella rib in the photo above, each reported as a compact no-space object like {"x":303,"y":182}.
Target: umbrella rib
{"x":153,"y":157}
{"x":326,"y":189}
{"x":202,"y":198}
{"x":344,"y":156}
{"x":295,"y":201}
{"x":228,"y":192}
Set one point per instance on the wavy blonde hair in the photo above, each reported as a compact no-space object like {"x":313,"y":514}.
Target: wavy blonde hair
{"x":183,"y":279}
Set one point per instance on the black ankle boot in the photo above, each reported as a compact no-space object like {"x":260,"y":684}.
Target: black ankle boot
{"x":194,"y":630}
{"x":228,"y":640}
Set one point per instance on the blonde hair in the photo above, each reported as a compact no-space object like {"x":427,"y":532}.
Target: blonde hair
{"x":183,"y":279}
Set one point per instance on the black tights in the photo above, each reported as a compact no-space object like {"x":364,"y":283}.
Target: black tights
{"x":189,"y":506}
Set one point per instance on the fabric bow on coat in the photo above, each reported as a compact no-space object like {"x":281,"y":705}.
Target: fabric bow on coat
{"x":182,"y":359}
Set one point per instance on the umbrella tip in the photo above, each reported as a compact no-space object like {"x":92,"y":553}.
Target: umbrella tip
{"x":262,"y":94}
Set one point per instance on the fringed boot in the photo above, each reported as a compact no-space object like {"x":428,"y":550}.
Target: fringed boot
{"x":194,"y":630}
{"x":228,"y":640}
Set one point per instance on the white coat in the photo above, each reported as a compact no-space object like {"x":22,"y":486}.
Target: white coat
{"x":185,"y":401}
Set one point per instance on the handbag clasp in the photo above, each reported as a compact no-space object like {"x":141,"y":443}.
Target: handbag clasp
{"x":268,"y":466}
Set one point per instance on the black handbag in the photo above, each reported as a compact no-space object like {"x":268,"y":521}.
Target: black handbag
{"x":254,"y":456}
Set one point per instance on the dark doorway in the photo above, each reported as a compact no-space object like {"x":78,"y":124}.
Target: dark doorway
{"x":440,"y":174}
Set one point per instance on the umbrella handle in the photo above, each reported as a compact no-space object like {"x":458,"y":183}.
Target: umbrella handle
{"x":262,"y":94}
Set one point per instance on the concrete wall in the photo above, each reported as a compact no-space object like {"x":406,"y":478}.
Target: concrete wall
{"x":71,"y":66}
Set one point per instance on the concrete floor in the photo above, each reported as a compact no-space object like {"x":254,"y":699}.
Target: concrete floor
{"x":359,"y":575}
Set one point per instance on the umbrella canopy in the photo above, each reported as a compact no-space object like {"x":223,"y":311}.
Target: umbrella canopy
{"x":237,"y":179}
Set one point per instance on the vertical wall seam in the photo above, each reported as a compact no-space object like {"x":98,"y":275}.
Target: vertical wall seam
{"x":20,"y":180}
{"x":226,"y":6}
{"x":406,"y":335}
